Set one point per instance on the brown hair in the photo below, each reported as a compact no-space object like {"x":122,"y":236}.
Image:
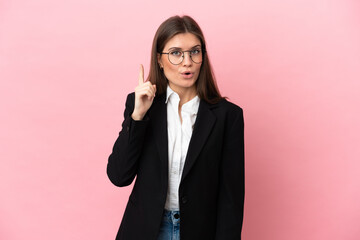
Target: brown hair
{"x":205,"y":84}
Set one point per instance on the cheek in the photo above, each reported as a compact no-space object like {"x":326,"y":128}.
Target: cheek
{"x":170,"y":68}
{"x":169,"y":72}
{"x":198,"y":69}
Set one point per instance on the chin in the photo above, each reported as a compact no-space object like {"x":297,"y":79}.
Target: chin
{"x":183,"y":84}
{"x":187,"y":83}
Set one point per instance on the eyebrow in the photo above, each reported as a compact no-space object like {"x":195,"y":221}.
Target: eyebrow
{"x":176,"y":48}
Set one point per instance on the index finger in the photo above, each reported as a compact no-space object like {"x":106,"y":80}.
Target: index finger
{"x":141,"y":74}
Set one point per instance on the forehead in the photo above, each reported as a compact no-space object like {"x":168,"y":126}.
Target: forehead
{"x":183,"y":41}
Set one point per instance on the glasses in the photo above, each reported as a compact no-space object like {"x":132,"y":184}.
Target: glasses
{"x":177,"y":56}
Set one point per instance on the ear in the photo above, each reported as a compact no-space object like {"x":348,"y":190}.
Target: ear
{"x":159,"y":60}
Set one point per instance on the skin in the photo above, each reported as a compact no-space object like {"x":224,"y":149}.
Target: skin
{"x":184,"y":87}
{"x":144,"y":96}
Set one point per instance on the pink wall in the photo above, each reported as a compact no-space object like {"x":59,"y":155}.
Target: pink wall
{"x":65,"y":70}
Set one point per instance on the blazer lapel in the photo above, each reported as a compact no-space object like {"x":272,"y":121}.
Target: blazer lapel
{"x":204,"y":123}
{"x":158,"y":116}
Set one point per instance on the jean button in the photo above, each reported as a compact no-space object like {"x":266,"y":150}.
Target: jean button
{"x":176,"y":216}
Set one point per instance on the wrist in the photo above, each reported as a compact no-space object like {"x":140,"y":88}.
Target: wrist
{"x":136,"y":116}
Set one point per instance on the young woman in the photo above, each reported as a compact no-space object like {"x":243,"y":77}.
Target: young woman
{"x":183,"y":142}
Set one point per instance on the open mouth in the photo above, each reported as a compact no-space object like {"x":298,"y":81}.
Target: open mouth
{"x":187,"y":75}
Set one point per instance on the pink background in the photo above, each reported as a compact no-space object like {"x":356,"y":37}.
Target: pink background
{"x":65,"y":70}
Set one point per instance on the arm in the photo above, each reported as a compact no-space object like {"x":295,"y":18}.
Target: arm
{"x":123,"y":161}
{"x":232,"y":183}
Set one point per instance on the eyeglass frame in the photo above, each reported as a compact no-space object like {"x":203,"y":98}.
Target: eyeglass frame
{"x":183,"y":54}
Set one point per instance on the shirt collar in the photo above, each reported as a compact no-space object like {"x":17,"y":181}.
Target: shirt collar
{"x":169,"y":92}
{"x":190,"y":106}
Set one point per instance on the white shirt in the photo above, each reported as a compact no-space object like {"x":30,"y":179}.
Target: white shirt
{"x":179,"y":136}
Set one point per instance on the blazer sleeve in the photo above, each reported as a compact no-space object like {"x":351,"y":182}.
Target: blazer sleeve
{"x":123,"y":161}
{"x":231,"y":196}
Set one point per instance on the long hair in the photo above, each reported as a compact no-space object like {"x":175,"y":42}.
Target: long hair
{"x":206,"y":86}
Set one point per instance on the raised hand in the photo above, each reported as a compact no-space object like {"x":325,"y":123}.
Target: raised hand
{"x":144,"y":96}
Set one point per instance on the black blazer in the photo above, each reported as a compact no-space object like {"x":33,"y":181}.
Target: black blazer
{"x":212,"y":188}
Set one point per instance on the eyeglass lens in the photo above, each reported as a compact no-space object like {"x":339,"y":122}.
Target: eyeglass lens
{"x":176,"y":56}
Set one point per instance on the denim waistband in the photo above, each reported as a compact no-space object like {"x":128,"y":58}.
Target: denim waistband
{"x":171,"y":216}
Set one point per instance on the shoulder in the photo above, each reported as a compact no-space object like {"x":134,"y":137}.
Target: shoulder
{"x":227,"y":107}
{"x":130,"y":101}
{"x":130,"y":97}
{"x":225,"y":104}
{"x":227,"y":112}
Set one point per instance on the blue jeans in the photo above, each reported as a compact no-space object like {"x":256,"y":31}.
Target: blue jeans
{"x":170,"y":226}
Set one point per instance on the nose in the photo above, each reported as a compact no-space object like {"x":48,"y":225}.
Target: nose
{"x":187,"y":59}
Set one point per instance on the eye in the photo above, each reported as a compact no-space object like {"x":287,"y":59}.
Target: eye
{"x":195,"y":51}
{"x":175,"y":53}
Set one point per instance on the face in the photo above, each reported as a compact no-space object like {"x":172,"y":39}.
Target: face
{"x":182,"y":77}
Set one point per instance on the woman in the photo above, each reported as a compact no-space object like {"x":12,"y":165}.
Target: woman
{"x":183,"y":142}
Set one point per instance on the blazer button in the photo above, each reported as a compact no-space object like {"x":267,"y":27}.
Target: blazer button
{"x":127,"y":128}
{"x":184,"y":199}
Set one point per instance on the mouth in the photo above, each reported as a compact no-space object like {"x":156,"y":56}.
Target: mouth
{"x":187,"y":74}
